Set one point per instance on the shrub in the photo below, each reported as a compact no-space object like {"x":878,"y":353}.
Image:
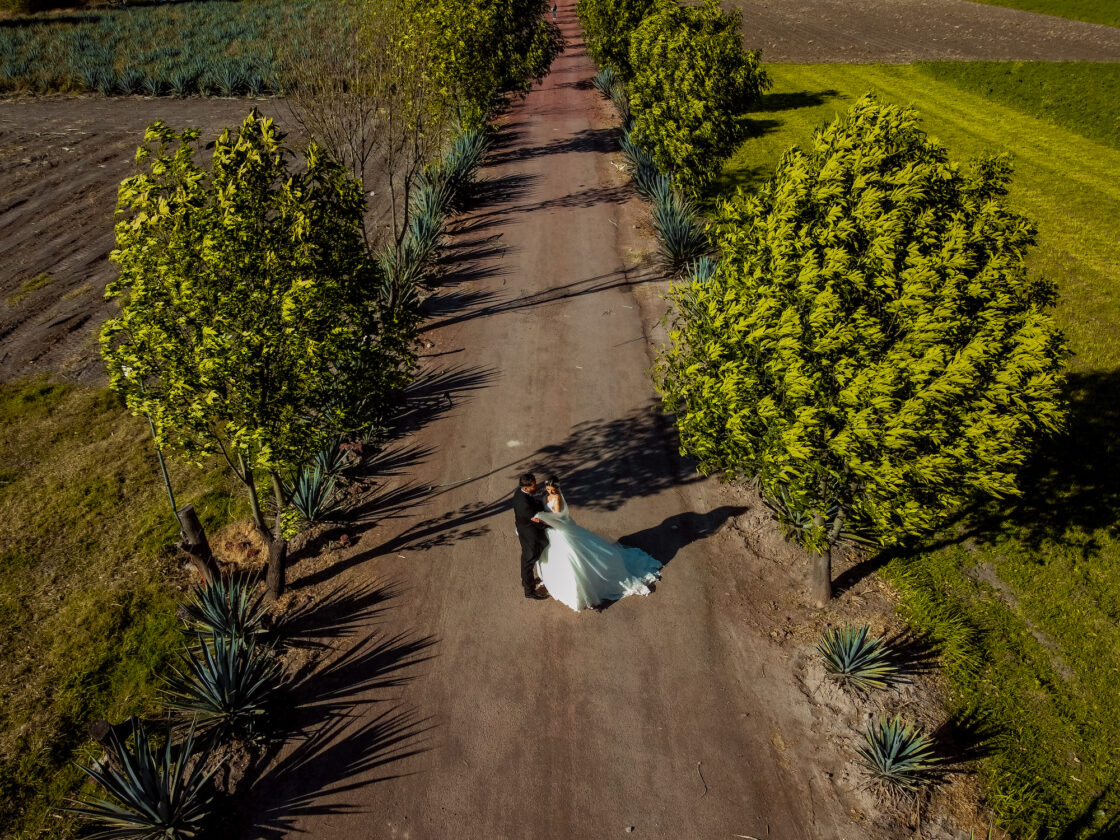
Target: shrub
{"x":855,"y":660}
{"x":898,"y":757}
{"x":692,"y":86}
{"x":155,"y":793}
{"x":228,"y":684}
{"x":608,"y":25}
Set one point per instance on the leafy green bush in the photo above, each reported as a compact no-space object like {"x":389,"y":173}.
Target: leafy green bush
{"x":877,"y":350}
{"x":692,"y":86}
{"x":608,"y":25}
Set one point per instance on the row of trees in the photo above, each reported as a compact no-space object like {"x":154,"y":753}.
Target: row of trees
{"x":688,"y":81}
{"x":266,"y":313}
{"x":871,"y":349}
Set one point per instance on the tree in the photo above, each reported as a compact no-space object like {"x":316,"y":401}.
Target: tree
{"x":692,"y":86}
{"x":361,"y":82}
{"x":872,"y":350}
{"x":608,"y":25}
{"x":245,"y":329}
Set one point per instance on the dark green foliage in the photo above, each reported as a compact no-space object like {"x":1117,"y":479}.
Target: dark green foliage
{"x":680,"y":234}
{"x":608,"y":25}
{"x":1081,"y":96}
{"x":226,"y":606}
{"x":155,"y":793}
{"x":899,"y":757}
{"x":855,"y":660}
{"x":692,"y":86}
{"x":228,"y":685}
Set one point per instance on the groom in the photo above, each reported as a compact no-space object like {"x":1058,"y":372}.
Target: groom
{"x":530,"y":531}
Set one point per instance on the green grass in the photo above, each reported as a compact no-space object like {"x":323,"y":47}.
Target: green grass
{"x":88,"y":584}
{"x":1081,"y":96}
{"x":216,"y":47}
{"x":1028,"y":609}
{"x":1092,"y":11}
{"x":39,"y":281}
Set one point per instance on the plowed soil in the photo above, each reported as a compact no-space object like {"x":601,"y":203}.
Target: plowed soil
{"x":900,"y":31}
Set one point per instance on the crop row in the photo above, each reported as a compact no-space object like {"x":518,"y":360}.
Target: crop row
{"x":218,"y":47}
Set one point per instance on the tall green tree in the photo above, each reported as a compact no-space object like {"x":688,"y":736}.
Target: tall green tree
{"x":245,"y":329}
{"x":872,"y":350}
{"x":607,"y":27}
{"x":692,"y":86}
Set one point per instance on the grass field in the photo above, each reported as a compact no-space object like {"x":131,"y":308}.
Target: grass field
{"x":216,"y":47}
{"x":1025,"y":598}
{"x":1079,"y":95}
{"x":1092,"y":11}
{"x":87,"y":584}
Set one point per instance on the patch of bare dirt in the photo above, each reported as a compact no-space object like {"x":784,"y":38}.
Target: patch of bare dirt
{"x":61,"y":161}
{"x":901,"y":31}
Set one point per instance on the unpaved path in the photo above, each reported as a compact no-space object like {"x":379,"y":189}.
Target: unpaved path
{"x":900,"y":31}
{"x":464,"y":710}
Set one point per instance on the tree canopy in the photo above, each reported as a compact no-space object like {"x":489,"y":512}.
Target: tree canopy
{"x":691,"y":88}
{"x":246,"y":329}
{"x":608,"y":25}
{"x":872,"y":350}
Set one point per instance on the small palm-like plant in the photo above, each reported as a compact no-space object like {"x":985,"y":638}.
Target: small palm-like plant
{"x":311,"y":494}
{"x":227,"y":606}
{"x":604,"y":80}
{"x":155,"y":793}
{"x":898,"y":756}
{"x":680,"y":238}
{"x":853,"y":659}
{"x":228,"y":684}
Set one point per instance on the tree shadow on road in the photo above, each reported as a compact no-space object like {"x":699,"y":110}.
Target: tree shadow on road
{"x":343,"y":741}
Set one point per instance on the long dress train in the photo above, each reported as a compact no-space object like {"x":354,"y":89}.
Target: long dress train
{"x":581,"y":569}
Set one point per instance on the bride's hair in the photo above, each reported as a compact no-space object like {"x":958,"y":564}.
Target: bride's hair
{"x":552,"y":481}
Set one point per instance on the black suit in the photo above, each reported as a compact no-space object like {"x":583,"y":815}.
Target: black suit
{"x":531,"y":534}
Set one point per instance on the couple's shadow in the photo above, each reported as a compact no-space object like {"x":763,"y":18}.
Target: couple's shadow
{"x":664,"y":541}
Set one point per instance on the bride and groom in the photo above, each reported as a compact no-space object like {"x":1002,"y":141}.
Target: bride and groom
{"x":576,"y":567}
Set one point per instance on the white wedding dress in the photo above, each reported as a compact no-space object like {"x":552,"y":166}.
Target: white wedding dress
{"x":581,"y":569}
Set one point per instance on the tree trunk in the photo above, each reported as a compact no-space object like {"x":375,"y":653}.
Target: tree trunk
{"x":820,"y":580}
{"x":277,"y":545}
{"x":820,"y":586}
{"x":277,"y":560}
{"x":195,"y":543}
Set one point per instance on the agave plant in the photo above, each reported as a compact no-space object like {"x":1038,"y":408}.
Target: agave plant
{"x":855,"y":660}
{"x":898,"y":756}
{"x":423,"y":238}
{"x":227,"y":606}
{"x":399,"y":278}
{"x":155,"y":793}
{"x":621,"y":99}
{"x":680,"y":238}
{"x":311,"y":494}
{"x":433,"y":194}
{"x":462,"y":161}
{"x":703,"y":269}
{"x":331,"y":459}
{"x":604,"y":80}
{"x":227,"y":684}
{"x":641,"y":166}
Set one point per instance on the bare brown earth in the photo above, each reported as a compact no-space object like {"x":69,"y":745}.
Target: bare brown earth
{"x":454,"y":707}
{"x":60,"y":163}
{"x":901,"y":31}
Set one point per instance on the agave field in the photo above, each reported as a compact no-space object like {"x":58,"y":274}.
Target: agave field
{"x":213,"y":48}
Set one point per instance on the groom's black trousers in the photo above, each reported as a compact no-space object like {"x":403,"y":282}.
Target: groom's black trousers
{"x":531,"y":549}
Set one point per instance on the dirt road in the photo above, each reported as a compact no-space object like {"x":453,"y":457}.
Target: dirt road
{"x":470,"y":711}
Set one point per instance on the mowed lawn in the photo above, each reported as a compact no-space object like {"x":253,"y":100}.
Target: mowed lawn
{"x":1024,"y":597}
{"x":1092,"y":11}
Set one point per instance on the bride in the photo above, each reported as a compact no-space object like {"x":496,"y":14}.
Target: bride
{"x":580,"y":568}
